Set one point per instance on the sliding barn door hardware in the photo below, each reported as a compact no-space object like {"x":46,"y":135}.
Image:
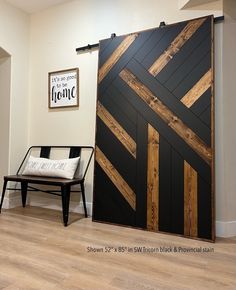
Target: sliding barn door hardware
{"x":113,"y":35}
{"x":216,"y":20}
{"x":92,"y":46}
{"x":162,"y":24}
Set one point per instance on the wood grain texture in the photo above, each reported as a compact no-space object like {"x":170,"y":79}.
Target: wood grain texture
{"x":116,"y":129}
{"x":38,"y":253}
{"x":190,"y":201}
{"x":172,"y":120}
{"x":116,"y":178}
{"x":175,"y":46}
{"x":115,"y":56}
{"x":152,"y":179}
{"x":198,"y":90}
{"x":141,"y":172}
{"x":166,"y":77}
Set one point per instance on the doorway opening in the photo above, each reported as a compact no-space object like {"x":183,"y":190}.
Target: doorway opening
{"x":5,"y":84}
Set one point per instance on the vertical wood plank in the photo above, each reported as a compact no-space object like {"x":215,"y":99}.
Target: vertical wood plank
{"x":153,"y":179}
{"x":170,"y":188}
{"x":190,"y":201}
{"x":141,"y":172}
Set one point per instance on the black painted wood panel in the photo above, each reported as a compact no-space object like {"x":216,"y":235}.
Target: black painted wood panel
{"x":165,"y":187}
{"x":116,"y":153}
{"x":202,"y":104}
{"x":177,"y":192}
{"x":180,"y":146}
{"x":170,"y":33}
{"x":196,"y":57}
{"x":155,"y":88}
{"x":170,"y":100}
{"x":110,"y":206}
{"x":186,"y":52}
{"x":204,"y":209}
{"x":123,"y":60}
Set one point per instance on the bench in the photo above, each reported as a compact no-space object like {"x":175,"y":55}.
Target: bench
{"x":84,"y":152}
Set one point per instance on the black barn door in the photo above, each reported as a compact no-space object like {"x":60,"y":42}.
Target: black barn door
{"x":154,"y":141}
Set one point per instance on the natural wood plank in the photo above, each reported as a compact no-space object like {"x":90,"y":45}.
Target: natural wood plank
{"x":153,"y":179}
{"x":115,"y":56}
{"x":175,"y":46}
{"x":190,"y":201}
{"x":168,"y":116}
{"x":198,"y":89}
{"x":38,"y":253}
{"x":116,"y":178}
{"x":116,"y":129}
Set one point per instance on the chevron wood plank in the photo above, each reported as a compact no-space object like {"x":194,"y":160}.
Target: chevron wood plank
{"x":116,"y":129}
{"x":154,"y":165}
{"x":188,"y":56}
{"x":175,"y":46}
{"x":115,"y":56}
{"x":198,"y":90}
{"x":166,"y":131}
{"x":173,"y":121}
{"x":171,"y":101}
{"x":116,"y":178}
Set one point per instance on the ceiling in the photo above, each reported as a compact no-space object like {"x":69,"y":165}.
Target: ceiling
{"x":191,"y":3}
{"x":32,"y":6}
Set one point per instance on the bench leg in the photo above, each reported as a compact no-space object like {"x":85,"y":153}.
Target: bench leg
{"x":83,"y":197}
{"x":3,"y":193}
{"x":24,"y":186}
{"x":65,"y":195}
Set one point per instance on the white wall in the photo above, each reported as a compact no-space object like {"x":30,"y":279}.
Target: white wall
{"x":5,"y":77}
{"x":229,"y":93}
{"x":225,"y":103}
{"x":14,"y":38}
{"x":56,"y":32}
{"x":54,"y":35}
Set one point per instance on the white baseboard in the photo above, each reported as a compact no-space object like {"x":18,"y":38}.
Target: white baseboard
{"x":226,"y":229}
{"x":223,"y":229}
{"x":11,"y":201}
{"x":53,"y":203}
{"x":46,"y":202}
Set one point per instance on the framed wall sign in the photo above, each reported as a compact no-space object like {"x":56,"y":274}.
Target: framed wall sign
{"x":63,"y":88}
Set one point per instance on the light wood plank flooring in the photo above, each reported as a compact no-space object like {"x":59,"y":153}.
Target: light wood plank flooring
{"x":38,"y":252}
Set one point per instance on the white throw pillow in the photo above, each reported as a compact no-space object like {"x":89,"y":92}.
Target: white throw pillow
{"x":64,"y":168}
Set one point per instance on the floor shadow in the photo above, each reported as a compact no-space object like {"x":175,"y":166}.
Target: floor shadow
{"x":44,"y":214}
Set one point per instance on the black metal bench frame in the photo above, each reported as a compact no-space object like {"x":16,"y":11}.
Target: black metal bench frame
{"x":64,"y":184}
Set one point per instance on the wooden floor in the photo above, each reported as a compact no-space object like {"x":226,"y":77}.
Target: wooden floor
{"x":38,"y":252}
